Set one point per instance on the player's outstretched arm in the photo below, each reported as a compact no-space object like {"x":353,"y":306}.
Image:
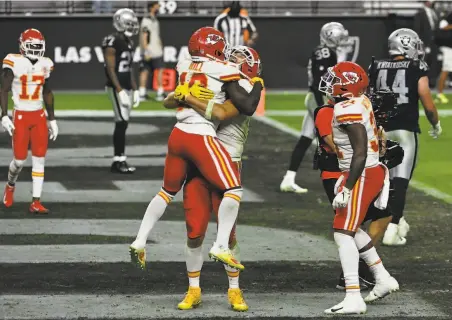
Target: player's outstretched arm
{"x":6,"y":80}
{"x":110,"y":61}
{"x":358,"y":139}
{"x":245,"y":102}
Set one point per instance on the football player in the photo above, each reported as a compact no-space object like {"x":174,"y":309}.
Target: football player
{"x":332,"y":35}
{"x":406,"y":74}
{"x":193,"y":141}
{"x":232,"y":133}
{"x":355,"y":136}
{"x":27,"y":76}
{"x":391,"y":154}
{"x":118,"y":49}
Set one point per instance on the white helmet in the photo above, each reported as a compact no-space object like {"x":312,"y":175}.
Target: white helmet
{"x":333,"y":34}
{"x":126,"y":21}
{"x":405,"y":42}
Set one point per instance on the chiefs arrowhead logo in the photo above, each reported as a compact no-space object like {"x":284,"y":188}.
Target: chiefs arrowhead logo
{"x":213,"y":38}
{"x":352,"y":77}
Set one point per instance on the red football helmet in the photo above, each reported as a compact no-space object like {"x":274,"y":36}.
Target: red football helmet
{"x":248,"y":59}
{"x":344,"y":80}
{"x":32,"y":44}
{"x":208,"y":42}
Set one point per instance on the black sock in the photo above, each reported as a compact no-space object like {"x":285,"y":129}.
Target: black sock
{"x":298,"y":153}
{"x":119,"y":138}
{"x":397,"y":199}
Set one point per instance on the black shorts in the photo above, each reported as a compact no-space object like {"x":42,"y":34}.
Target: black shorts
{"x":372,"y":213}
{"x":152,"y":64}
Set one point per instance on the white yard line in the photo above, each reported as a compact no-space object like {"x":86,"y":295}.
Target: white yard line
{"x":413,"y":183}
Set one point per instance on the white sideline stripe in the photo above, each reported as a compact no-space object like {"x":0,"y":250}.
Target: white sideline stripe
{"x":292,"y":113}
{"x":257,"y":243}
{"x":137,"y":306}
{"x":414,"y":183}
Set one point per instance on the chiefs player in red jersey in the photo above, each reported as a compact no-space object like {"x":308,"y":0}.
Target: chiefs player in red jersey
{"x":27,"y":76}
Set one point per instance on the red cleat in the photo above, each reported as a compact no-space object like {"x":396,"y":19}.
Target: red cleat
{"x":38,"y":208}
{"x":8,"y":196}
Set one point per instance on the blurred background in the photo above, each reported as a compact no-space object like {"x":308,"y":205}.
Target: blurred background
{"x":288,"y":30}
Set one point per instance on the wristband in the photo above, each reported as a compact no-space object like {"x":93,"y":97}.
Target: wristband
{"x":209,"y":109}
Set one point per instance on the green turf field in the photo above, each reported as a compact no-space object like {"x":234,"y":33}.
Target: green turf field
{"x":433,"y":169}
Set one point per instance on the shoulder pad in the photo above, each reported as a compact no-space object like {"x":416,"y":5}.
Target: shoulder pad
{"x":349,"y":111}
{"x":221,"y":70}
{"x":10,"y":60}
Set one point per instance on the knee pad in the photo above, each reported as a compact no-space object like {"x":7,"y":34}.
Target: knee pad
{"x":19,"y":163}
{"x":234,"y":194}
{"x":38,"y":164}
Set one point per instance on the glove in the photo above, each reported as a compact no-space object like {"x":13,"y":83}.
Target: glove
{"x":436,"y":130}
{"x":53,"y":130}
{"x":124,"y":98}
{"x":181,"y":91}
{"x":7,"y":125}
{"x":136,"y":98}
{"x":257,"y":79}
{"x":200,"y":92}
{"x":341,"y":199}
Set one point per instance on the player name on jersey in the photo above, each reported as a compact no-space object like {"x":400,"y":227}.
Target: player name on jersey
{"x":393,"y":64}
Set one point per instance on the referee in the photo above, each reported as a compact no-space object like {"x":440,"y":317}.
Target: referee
{"x":151,"y":51}
{"x":236,"y":25}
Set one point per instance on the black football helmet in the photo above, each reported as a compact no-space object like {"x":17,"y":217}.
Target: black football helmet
{"x":384,"y":104}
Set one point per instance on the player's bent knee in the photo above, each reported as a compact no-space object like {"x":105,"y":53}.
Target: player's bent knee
{"x":195,"y":242}
{"x":235,"y":193}
{"x":19,"y":163}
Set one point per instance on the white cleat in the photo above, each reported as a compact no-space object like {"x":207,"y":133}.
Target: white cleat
{"x":288,"y":186}
{"x":382,"y":289}
{"x":404,"y":228}
{"x":352,"y":304}
{"x":392,"y":237}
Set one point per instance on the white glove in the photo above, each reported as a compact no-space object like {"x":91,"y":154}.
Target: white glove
{"x":7,"y":125}
{"x":136,"y":98}
{"x":436,"y":130}
{"x":124,"y":98}
{"x":341,"y":199}
{"x":53,"y":130}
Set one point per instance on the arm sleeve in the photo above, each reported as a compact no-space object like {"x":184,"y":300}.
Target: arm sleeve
{"x":8,"y":62}
{"x":245,"y":102}
{"x":323,"y":121}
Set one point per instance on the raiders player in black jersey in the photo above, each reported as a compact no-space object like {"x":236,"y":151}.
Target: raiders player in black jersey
{"x":121,"y":87}
{"x":324,"y":56}
{"x":406,"y":74}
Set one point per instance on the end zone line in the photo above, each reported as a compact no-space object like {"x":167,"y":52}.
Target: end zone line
{"x":413,"y":183}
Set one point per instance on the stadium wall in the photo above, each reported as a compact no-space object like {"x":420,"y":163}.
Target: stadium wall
{"x":285,"y":43}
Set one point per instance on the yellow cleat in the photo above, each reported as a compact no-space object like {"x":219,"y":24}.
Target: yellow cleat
{"x":138,"y":257}
{"x":192,"y":299}
{"x":235,"y":297}
{"x":441,"y":98}
{"x":225,"y":256}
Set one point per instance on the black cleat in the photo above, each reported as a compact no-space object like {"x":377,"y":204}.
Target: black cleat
{"x":122,"y":167}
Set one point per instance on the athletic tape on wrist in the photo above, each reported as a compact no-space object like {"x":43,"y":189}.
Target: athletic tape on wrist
{"x":209,"y":109}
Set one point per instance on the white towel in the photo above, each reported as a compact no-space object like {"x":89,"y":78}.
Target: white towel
{"x":382,"y":201}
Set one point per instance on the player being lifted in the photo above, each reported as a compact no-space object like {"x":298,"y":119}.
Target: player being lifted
{"x":26,"y":75}
{"x":193,"y":141}
{"x":232,"y":133}
{"x":332,"y":35}
{"x":121,"y":86}
{"x":406,"y":75}
{"x":363,"y":179}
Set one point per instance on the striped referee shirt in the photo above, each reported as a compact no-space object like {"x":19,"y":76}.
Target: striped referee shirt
{"x":236,"y":30}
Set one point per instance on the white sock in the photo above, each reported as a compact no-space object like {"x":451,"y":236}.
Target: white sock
{"x":154,"y":212}
{"x":37,"y":175}
{"x":142,"y":91}
{"x":227,"y":215}
{"x":290,"y":176}
{"x":370,"y":256}
{"x":160,"y":90}
{"x":15,"y":167}
{"x":194,"y":261}
{"x":233,"y":276}
{"x":349,"y":255}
